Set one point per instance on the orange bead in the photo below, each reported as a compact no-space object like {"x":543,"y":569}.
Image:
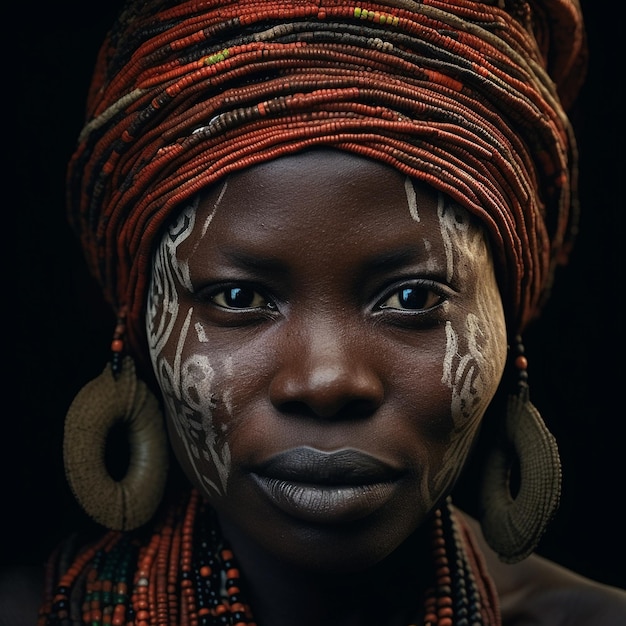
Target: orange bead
{"x":521,"y":362}
{"x":117,"y":345}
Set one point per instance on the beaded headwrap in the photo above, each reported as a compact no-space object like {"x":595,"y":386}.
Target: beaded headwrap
{"x":468,"y":96}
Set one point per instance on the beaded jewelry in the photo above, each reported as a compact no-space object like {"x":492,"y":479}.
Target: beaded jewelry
{"x":460,"y":94}
{"x":184,"y":573}
{"x":514,"y":524}
{"x":116,"y":397}
{"x":117,"y":343}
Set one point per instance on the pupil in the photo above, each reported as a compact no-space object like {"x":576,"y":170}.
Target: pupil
{"x":238,"y":297}
{"x":412,"y":298}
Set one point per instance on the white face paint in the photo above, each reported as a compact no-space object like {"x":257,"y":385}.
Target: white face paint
{"x":474,"y":350}
{"x":474,"y":355}
{"x":411,"y":198}
{"x":185,"y":379}
{"x":330,"y":303}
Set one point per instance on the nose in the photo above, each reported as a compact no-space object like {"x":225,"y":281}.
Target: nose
{"x":326,"y":374}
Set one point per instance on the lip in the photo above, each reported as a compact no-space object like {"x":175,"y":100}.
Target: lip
{"x":326,"y":487}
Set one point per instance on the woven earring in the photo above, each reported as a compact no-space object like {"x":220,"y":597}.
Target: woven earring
{"x":513,"y":524}
{"x":116,"y":397}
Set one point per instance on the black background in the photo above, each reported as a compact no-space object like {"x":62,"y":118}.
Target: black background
{"x":59,"y":334}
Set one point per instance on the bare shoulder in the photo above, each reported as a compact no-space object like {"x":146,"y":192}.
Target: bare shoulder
{"x":538,"y":592}
{"x":20,"y":595}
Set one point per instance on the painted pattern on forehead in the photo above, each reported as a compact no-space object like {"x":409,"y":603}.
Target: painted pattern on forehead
{"x":211,"y":215}
{"x":461,"y":238}
{"x":411,"y":198}
{"x":187,"y":384}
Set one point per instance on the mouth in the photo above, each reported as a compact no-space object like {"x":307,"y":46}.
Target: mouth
{"x":326,"y":487}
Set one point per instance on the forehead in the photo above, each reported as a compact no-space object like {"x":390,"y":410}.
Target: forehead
{"x":325,"y":198}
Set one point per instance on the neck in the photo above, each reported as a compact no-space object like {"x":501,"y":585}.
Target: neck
{"x":351,"y":598}
{"x":188,"y":574}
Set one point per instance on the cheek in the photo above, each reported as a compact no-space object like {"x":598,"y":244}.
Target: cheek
{"x":187,"y":377}
{"x":193,"y":391}
{"x":473,"y":366}
{"x":199,"y":408}
{"x":475,"y":331}
{"x":192,"y":399}
{"x":475,"y":339}
{"x":474,"y":361}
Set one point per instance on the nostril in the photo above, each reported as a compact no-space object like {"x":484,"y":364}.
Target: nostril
{"x":355,"y":409}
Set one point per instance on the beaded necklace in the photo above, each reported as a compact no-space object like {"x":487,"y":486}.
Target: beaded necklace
{"x":184,"y":573}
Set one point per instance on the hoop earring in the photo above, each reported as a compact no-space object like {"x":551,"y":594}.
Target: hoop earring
{"x":514,"y":524}
{"x":116,"y":396}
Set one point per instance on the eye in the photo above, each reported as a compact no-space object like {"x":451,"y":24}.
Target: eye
{"x":411,"y":298}
{"x":241,"y":297}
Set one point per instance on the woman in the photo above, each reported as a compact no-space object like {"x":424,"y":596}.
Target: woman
{"x":323,"y":228}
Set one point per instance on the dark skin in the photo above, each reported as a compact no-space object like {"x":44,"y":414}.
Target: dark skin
{"x":350,"y":306}
{"x":319,"y":314}
{"x":346,"y":340}
{"x":347,"y":311}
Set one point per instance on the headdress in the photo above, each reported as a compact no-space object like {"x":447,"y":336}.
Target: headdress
{"x":468,"y":96}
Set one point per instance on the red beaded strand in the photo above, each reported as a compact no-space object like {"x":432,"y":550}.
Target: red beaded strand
{"x":469,"y":63}
{"x":183,"y":575}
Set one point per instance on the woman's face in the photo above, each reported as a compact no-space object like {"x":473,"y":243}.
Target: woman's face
{"x":327,"y":334}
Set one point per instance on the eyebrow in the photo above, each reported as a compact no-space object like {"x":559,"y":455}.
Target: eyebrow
{"x":391,"y":260}
{"x":255,"y":263}
{"x":386,"y":261}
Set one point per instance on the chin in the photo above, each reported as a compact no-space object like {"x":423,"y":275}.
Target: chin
{"x":331,"y":549}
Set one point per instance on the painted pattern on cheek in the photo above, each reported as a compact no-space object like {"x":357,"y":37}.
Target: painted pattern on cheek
{"x":187,"y":385}
{"x":475,"y":351}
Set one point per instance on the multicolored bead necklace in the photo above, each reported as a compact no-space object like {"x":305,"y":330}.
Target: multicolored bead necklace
{"x":183,"y":573}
